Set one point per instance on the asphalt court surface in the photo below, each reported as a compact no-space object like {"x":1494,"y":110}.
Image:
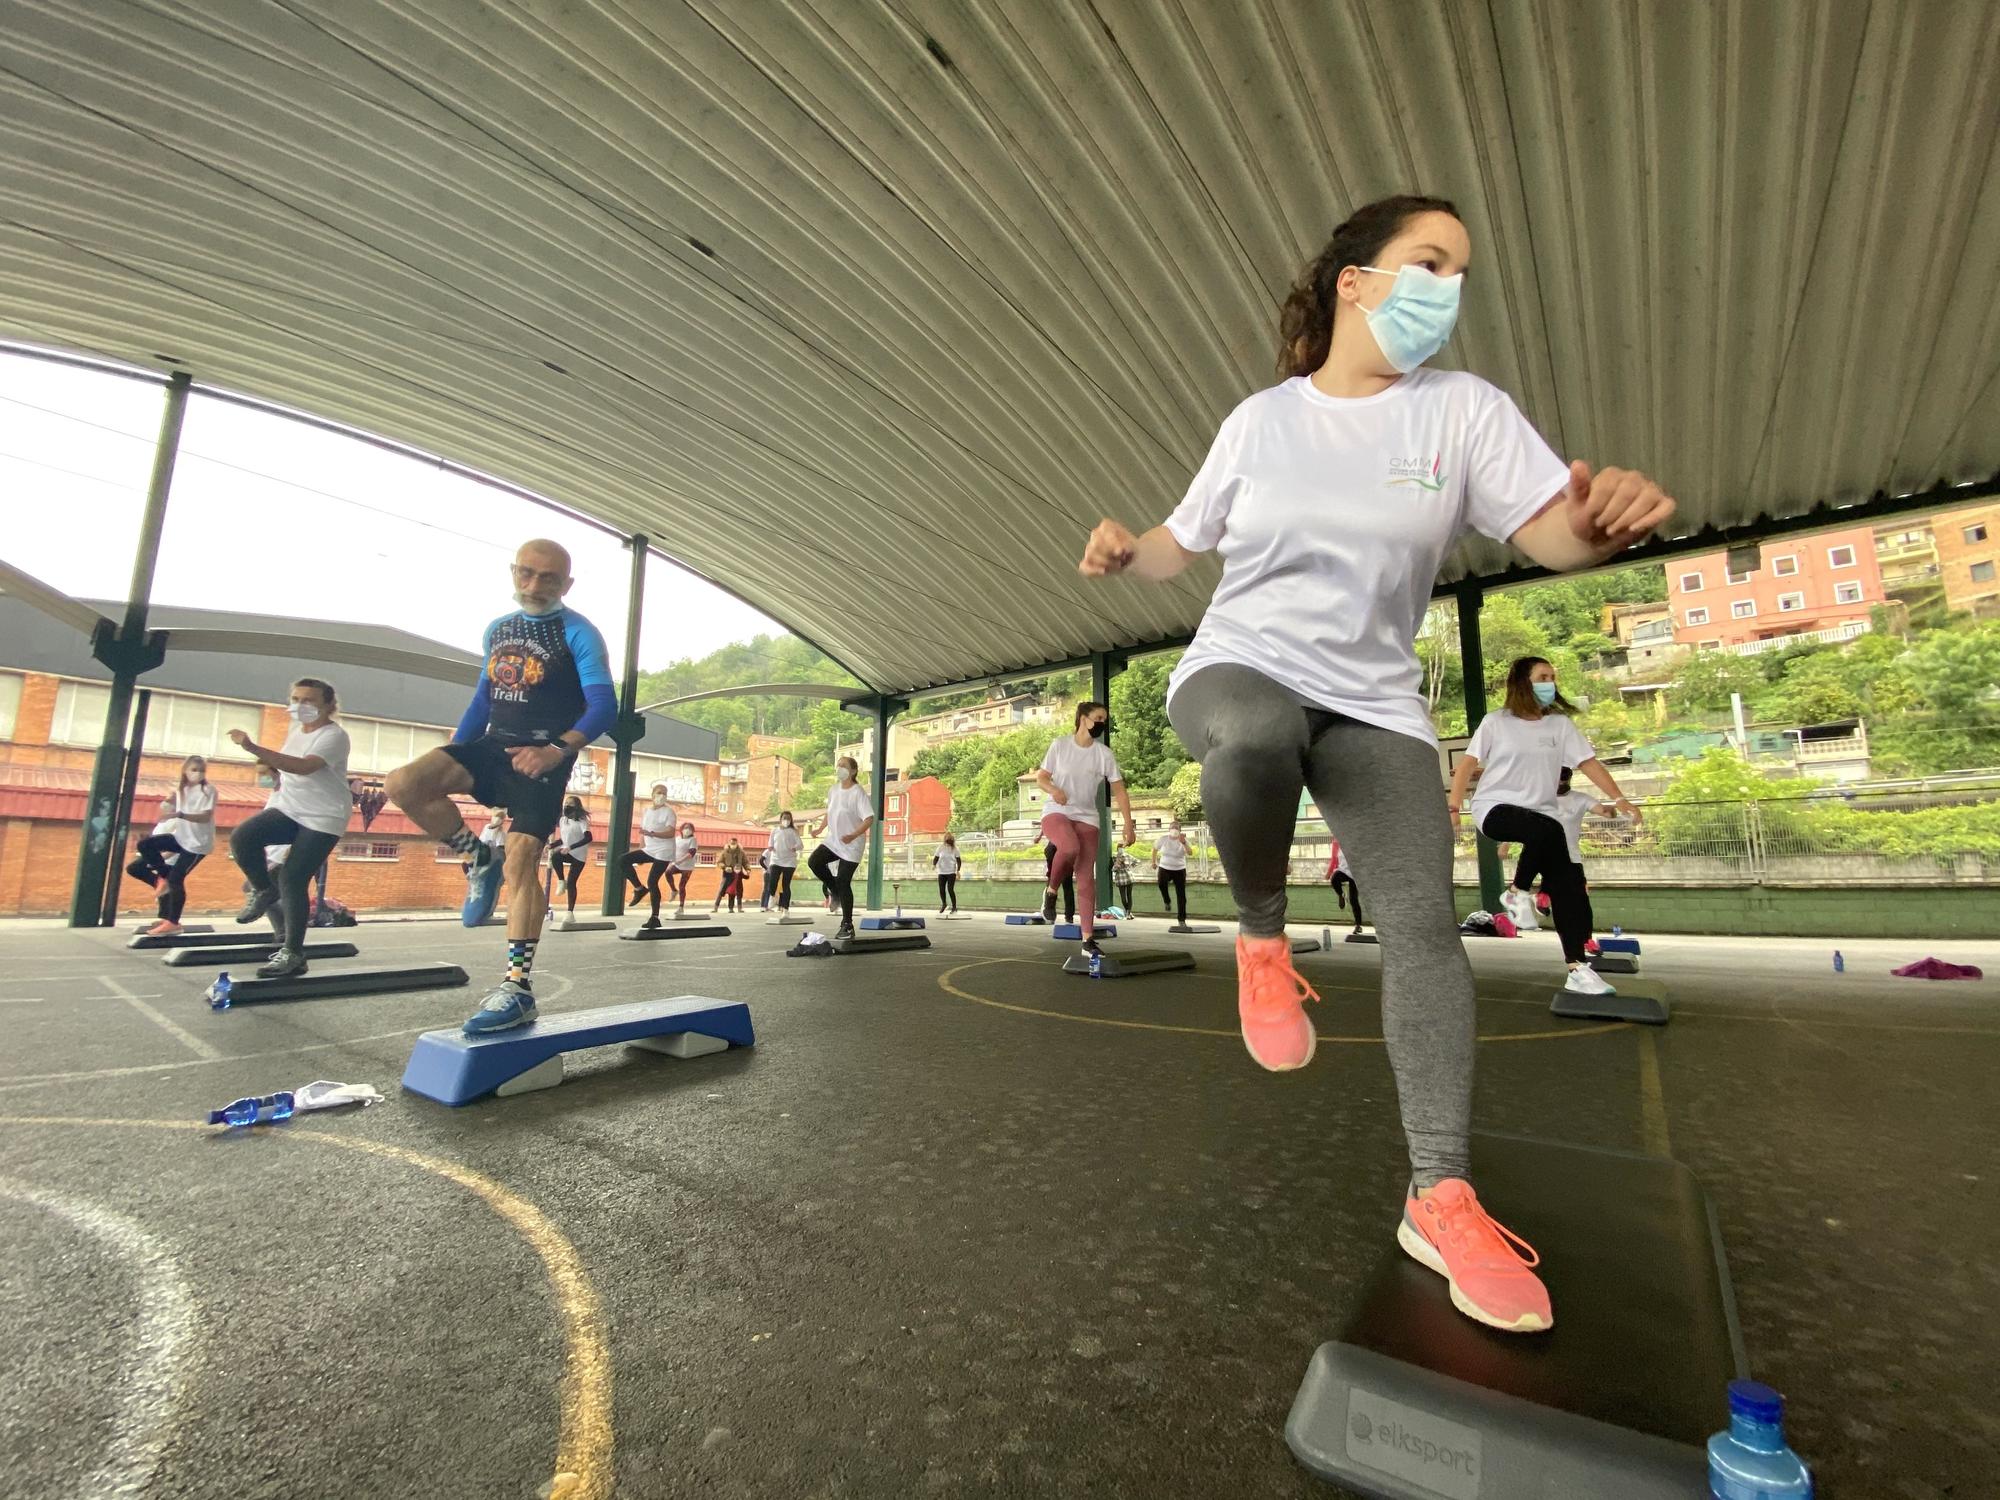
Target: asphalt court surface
{"x":960,"y":1224}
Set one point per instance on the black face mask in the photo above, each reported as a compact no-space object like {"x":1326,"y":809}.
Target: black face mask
{"x":1100,"y":730}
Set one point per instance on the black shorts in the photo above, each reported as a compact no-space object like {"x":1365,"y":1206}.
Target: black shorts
{"x":533,"y":803}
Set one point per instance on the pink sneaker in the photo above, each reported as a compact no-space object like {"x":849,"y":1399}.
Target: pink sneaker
{"x":1270,"y":1002}
{"x":162,"y":928}
{"x":1491,"y":1282}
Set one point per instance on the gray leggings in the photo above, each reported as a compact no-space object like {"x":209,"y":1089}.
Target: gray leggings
{"x":1383,"y":797}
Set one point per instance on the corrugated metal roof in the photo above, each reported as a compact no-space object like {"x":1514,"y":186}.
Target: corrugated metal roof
{"x":915,"y":292}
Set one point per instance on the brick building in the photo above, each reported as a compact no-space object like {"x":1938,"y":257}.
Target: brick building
{"x":1968,"y":554}
{"x":919,"y":809}
{"x":52,"y":705}
{"x":756,"y":786}
{"x":1826,"y":581}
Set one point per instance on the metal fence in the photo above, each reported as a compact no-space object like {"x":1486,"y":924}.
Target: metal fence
{"x":1887,"y":837}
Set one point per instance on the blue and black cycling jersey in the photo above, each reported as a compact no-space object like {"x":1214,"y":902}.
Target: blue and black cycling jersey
{"x":544,"y":675}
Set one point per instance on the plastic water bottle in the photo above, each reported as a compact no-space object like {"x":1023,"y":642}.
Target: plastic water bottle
{"x":1839,"y":963}
{"x":264,"y":1111}
{"x":1326,"y":940}
{"x":1616,"y":930}
{"x":1096,"y":964}
{"x":1748,"y":1460}
{"x":218,"y":993}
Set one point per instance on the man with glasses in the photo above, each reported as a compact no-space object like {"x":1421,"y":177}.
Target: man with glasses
{"x":544,"y":693}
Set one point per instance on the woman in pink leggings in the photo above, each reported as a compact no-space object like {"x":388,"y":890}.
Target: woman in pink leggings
{"x":1073,"y":770}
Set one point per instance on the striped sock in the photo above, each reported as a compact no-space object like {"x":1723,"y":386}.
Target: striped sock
{"x":520,"y":958}
{"x":465,"y":841}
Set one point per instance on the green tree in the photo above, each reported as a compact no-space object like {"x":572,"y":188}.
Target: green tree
{"x":1184,"y":794}
{"x":1566,"y":610}
{"x":1956,"y":671}
{"x":1702,"y":808}
{"x":1148,"y":750}
{"x":1506,"y":633}
{"x":1707,"y":678}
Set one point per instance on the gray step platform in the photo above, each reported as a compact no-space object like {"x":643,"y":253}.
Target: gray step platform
{"x":1191,"y":928}
{"x":1306,"y":945}
{"x":186,"y":927}
{"x":661,"y":934}
{"x":1130,"y":963}
{"x":891,"y":924}
{"x":578,"y":924}
{"x":1020,"y":919}
{"x":1615,"y":963}
{"x":250,"y":953}
{"x":1641,"y":1000}
{"x":346,"y":982}
{"x":787,"y":919}
{"x":1361,"y":937}
{"x":1415,"y":1401}
{"x":247,"y":935}
{"x":895,"y":942}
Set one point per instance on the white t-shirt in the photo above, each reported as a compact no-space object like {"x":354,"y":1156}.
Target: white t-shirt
{"x":947,"y":859}
{"x":847,"y":808}
{"x":194,"y":838}
{"x":1572,"y":807}
{"x":657,"y":825}
{"x":1169,"y":853}
{"x":1333,"y":516}
{"x":320,"y":801}
{"x":494,"y":834}
{"x":1079,"y":770}
{"x":574,"y":832}
{"x":1520,"y":760}
{"x":685,"y":855}
{"x":786,"y":845}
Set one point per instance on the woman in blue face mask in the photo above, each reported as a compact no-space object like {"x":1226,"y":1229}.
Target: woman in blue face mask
{"x":1333,"y":499}
{"x":1519,"y":753}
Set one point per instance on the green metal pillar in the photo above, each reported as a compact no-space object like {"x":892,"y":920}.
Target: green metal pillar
{"x":1104,"y":665}
{"x":127,"y":651}
{"x":1472,"y":663}
{"x":121,"y":828}
{"x":627,"y":732}
{"x":878,"y":792}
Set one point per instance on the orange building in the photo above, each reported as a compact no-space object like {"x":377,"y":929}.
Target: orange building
{"x":1823,"y":581}
{"x":52,"y":704}
{"x":919,"y":809}
{"x":1968,"y":554}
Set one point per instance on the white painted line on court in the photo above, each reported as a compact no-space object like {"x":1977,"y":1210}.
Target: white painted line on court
{"x":150,"y":1380}
{"x":18,"y":1000}
{"x":166,"y":1023}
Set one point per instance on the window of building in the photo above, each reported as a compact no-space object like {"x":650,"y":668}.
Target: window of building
{"x":1786,"y":566}
{"x":1697,"y":617}
{"x":1790,"y":602}
{"x":1982,"y":572}
{"x":1711,"y":645}
{"x":10,"y":702}
{"x":1743,"y":577}
{"x":895,"y":804}
{"x":1690,"y":583}
{"x":185,"y":725}
{"x":376,"y":851}
{"x":1840,"y":557}
{"x":79,"y":715}
{"x":1743,"y":609}
{"x":1975,"y":533}
{"x":1847,"y":593}
{"x":378,"y":746}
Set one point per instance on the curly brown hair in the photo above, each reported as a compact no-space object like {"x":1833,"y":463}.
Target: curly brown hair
{"x":1305,"y":327}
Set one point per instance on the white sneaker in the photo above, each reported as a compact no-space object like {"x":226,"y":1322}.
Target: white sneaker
{"x":1521,"y":907}
{"x":1584,"y":980}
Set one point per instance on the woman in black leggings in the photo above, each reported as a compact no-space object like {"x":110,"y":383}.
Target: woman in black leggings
{"x":946,"y":862}
{"x":182,"y":839}
{"x":572,"y":837}
{"x":1170,"y":857}
{"x":655,"y":851}
{"x":849,"y":816}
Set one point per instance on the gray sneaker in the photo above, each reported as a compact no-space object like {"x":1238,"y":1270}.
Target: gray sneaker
{"x":283,"y":964}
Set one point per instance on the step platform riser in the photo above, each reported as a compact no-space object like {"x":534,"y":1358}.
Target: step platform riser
{"x":663,"y":934}
{"x":1130,"y":964}
{"x":193,"y":958}
{"x":341,"y":985}
{"x":913,"y":942}
{"x":1072,"y":932}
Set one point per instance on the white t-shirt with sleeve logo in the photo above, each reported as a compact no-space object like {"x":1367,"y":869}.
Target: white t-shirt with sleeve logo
{"x":1521,"y":760}
{"x":1333,"y":516}
{"x":1079,"y":770}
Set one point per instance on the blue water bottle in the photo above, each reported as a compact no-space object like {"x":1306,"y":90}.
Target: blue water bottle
{"x":1839,"y":963}
{"x":218,"y":993}
{"x":264,"y":1111}
{"x":1749,"y":1460}
{"x":1096,"y":964}
{"x":1616,"y":930}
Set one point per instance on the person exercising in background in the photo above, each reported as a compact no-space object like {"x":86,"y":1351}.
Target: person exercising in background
{"x":947,"y":864}
{"x":566,"y":857}
{"x":1341,"y":878}
{"x":1170,"y":857}
{"x":544,"y":693}
{"x":687,"y":854}
{"x":179,"y":842}
{"x":305,"y":817}
{"x":1121,"y":877}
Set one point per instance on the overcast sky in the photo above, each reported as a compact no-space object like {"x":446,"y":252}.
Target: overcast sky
{"x":273,"y":516}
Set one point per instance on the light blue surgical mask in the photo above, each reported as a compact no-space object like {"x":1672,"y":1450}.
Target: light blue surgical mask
{"x":1412,"y":323}
{"x":1545,"y":692}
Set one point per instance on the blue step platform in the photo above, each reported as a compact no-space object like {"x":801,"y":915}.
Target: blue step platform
{"x":1072,"y":932}
{"x":891,"y":924}
{"x":1014,"y":919}
{"x":454,"y":1068}
{"x":1618,"y":945}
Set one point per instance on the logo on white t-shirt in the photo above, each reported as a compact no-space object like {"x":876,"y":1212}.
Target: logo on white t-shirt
{"x":1420,"y":473}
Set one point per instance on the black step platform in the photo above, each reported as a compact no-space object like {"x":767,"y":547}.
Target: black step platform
{"x":1130,"y":962}
{"x":1416,"y":1400}
{"x":1306,"y":945}
{"x":1189,"y":929}
{"x":661,"y":934}
{"x":1615,"y":963}
{"x":246,"y":936}
{"x":250,"y":953}
{"x":1640,"y":1000}
{"x":899,"y":942}
{"x":1361,"y":937}
{"x":186,"y":927}
{"x":342,"y":983}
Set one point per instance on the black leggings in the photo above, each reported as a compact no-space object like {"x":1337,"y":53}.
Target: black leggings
{"x":569,"y":869}
{"x":309,"y":852}
{"x":837,"y":875}
{"x":1343,"y":887}
{"x":650,"y":886}
{"x":948,"y":891}
{"x":780,"y":877}
{"x":154,"y":852}
{"x":1068,"y":885}
{"x":1124,"y":895}
{"x":1178,"y":880}
{"x":1545,"y":847}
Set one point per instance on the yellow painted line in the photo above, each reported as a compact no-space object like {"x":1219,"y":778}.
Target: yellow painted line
{"x":584,"y":1439}
{"x":1652,"y":1098}
{"x":945,"y":984}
